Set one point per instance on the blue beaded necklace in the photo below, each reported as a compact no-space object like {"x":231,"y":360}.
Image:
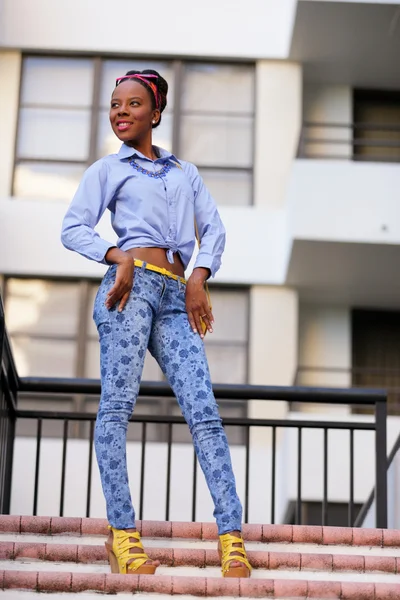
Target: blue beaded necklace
{"x":157,"y":174}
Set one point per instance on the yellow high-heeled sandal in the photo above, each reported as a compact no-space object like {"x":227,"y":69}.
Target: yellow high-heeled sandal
{"x":227,"y":550}
{"x":119,"y":554}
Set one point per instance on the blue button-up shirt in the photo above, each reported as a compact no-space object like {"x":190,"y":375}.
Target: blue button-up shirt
{"x":145,"y":211}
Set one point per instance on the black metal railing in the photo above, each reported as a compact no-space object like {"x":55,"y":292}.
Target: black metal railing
{"x":375,"y":399}
{"x":11,"y":385}
{"x":8,"y":395}
{"x":351,"y":141}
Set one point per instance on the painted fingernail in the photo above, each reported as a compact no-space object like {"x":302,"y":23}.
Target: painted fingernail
{"x":194,"y":330}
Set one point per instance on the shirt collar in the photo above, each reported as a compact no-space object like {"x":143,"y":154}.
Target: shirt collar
{"x":130,"y":152}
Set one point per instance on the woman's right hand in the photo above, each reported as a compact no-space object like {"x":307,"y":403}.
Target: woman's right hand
{"x":123,"y":280}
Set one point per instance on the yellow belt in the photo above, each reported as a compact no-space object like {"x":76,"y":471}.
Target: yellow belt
{"x":140,"y":263}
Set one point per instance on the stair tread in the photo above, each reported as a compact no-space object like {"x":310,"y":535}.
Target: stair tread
{"x":207,"y":531}
{"x":203,"y":586}
{"x":190,"y":544}
{"x":207,"y":572}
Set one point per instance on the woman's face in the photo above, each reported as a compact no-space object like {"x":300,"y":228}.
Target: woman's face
{"x":131,"y":111}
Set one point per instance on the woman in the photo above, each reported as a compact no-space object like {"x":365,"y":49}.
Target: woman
{"x":144,"y":302}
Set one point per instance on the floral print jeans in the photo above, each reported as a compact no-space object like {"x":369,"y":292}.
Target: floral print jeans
{"x":155,"y":318}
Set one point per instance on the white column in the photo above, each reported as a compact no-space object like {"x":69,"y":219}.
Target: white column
{"x":10,"y":65}
{"x":273,"y":344}
{"x":278,"y":125}
{"x":273,"y":361}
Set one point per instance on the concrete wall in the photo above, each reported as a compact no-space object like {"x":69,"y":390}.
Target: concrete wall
{"x":326,"y":200}
{"x":254,"y":237}
{"x":258,"y":28}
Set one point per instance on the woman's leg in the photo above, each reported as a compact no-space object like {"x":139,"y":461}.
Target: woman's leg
{"x":123,"y":343}
{"x":180,"y":353}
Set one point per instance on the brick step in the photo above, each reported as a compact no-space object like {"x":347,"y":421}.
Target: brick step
{"x":196,"y":557}
{"x":59,"y":582}
{"x":208,"y":572}
{"x":290,"y":534}
{"x":205,"y":545}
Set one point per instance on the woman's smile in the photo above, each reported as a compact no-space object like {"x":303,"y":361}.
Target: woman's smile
{"x":123,"y":125}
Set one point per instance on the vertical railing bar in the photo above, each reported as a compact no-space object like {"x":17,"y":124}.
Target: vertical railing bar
{"x":90,"y":464}
{"x":168,"y":493}
{"x":273,"y":475}
{"x":325,"y":491}
{"x":4,"y":425}
{"x":351,"y":502}
{"x":247,"y":475}
{"x":142,"y":467}
{"x":194,"y":486}
{"x":381,"y":464}
{"x":6,"y":501}
{"x":38,"y":444}
{"x":64,"y":457}
{"x":298,"y":508}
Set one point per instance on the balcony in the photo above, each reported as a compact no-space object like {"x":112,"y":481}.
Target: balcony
{"x":344,"y":214}
{"x":364,"y":142}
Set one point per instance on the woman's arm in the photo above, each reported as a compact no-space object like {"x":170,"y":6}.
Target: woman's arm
{"x":93,"y":196}
{"x":212,"y":243}
{"x":88,"y":205}
{"x":210,"y":227}
{"x":123,"y":280}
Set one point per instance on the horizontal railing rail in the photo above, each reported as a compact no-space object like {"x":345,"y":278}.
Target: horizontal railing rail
{"x":319,"y":140}
{"x":323,"y":395}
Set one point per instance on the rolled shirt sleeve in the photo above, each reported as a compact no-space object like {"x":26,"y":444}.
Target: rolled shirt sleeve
{"x":211,"y":229}
{"x":85,"y":211}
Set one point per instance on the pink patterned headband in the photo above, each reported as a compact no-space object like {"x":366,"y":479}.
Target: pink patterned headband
{"x":143,"y":77}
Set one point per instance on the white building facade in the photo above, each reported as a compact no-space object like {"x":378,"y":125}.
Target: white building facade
{"x":264,"y":100}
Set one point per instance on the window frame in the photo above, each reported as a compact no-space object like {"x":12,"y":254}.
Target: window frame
{"x":178,"y":66}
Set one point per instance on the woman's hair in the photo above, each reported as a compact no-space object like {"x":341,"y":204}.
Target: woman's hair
{"x":154,"y":85}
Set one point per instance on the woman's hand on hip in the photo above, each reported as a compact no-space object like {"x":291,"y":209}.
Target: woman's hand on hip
{"x":197,"y":305}
{"x":124,"y":278}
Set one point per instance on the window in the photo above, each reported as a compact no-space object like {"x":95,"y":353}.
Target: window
{"x":217,"y":128}
{"x":53,"y":141}
{"x":375,"y":353}
{"x":52,"y":334}
{"x":377,"y":125}
{"x":42,"y":321}
{"x":63,"y":123}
